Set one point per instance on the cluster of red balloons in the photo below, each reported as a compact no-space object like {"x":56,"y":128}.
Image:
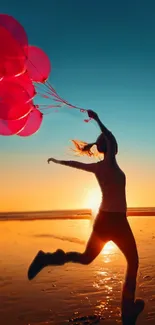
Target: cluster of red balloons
{"x":21,"y":65}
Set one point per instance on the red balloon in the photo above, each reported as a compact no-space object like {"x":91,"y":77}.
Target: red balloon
{"x":12,"y":58}
{"x":15,"y":102}
{"x":25,"y":81}
{"x":38,"y":64}
{"x":12,"y":127}
{"x":33,"y":123}
{"x":16,"y":30}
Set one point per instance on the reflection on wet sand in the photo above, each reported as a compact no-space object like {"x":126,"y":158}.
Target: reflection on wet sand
{"x":72,"y":292}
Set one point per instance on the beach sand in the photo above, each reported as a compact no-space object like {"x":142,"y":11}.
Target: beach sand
{"x":62,"y":295}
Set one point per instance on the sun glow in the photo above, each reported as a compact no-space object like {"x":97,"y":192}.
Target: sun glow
{"x":93,"y":200}
{"x":109,"y":248}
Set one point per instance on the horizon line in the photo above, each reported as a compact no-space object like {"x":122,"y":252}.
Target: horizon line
{"x":68,"y":210}
{"x":80,"y":214}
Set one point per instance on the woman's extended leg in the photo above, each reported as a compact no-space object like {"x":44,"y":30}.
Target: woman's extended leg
{"x":93,"y":248}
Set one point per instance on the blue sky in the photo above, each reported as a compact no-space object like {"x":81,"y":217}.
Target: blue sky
{"x":103,"y":58}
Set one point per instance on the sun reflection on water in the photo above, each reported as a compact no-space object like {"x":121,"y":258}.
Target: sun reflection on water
{"x":109,"y":248}
{"x":108,"y":282}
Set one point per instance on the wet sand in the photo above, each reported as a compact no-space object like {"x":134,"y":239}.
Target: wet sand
{"x":70,"y":294}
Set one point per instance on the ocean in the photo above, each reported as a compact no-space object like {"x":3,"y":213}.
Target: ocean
{"x":69,"y":294}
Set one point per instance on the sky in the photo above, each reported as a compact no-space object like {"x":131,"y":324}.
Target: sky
{"x":103,"y":58}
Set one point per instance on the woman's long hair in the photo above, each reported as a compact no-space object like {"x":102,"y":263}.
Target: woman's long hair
{"x":86,"y":149}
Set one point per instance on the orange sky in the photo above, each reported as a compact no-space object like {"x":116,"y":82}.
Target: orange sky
{"x":29,"y":183}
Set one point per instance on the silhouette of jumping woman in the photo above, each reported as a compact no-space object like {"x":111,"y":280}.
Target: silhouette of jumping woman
{"x":111,"y":222}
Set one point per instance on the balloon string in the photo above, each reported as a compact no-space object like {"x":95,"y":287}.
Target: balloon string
{"x":55,"y":111}
{"x":52,"y":90}
{"x":48,"y":106}
{"x":57,"y":98}
{"x":64,"y":101}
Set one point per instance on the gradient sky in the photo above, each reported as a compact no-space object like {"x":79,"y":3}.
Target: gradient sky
{"x":103,"y":58}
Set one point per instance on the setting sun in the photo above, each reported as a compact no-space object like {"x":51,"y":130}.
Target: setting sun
{"x":93,"y":200}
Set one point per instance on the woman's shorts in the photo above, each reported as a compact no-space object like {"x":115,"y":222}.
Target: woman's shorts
{"x":109,"y":224}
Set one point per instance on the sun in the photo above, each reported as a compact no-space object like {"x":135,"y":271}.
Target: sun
{"x":93,"y":200}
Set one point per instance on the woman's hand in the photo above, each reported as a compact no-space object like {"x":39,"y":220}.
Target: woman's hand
{"x":92,"y":114}
{"x":56,"y":161}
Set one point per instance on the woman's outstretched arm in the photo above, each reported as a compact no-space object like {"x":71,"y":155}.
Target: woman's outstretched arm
{"x":75,"y":164}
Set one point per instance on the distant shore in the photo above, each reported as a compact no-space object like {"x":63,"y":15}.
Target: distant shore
{"x":85,"y":214}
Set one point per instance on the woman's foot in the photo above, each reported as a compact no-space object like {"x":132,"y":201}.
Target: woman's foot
{"x":37,"y":265}
{"x":131,"y":318}
{"x":139,"y":307}
{"x":44,"y":259}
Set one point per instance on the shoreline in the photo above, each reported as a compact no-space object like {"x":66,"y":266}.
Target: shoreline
{"x":83,"y":214}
